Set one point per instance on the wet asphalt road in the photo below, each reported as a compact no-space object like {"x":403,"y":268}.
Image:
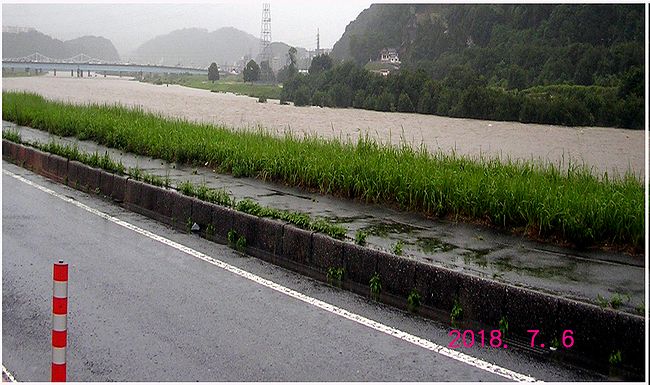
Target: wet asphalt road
{"x":140,"y":310}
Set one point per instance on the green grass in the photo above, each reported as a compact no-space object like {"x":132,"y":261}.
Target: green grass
{"x":104,"y":162}
{"x":20,"y":73}
{"x":235,"y":241}
{"x":503,"y":326}
{"x":360,"y":237}
{"x":302,"y":220}
{"x":456,"y":313}
{"x":398,"y":248}
{"x":335,"y":275}
{"x":264,"y":91}
{"x":375,"y":285}
{"x":12,"y":136}
{"x":138,"y":174}
{"x":413,"y":301}
{"x":541,"y":200}
{"x":615,"y":358}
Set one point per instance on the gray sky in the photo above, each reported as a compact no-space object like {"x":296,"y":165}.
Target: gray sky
{"x":128,"y":25}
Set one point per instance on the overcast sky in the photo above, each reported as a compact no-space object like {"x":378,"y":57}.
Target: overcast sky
{"x":128,"y":25}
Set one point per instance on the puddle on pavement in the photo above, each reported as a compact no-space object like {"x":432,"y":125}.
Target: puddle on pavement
{"x":384,"y":228}
{"x":434,"y":245}
{"x":567,"y":271}
{"x":335,"y":219}
{"x":477,"y":257}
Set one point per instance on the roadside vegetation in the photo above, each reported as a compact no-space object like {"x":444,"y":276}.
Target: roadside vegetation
{"x":19,"y":73}
{"x":542,"y":201}
{"x":202,"y":191}
{"x":231,"y":84}
{"x":299,"y":219}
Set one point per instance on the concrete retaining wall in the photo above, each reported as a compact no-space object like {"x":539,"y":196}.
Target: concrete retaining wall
{"x":597,"y":332}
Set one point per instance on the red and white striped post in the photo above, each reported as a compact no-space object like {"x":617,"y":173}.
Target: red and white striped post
{"x":59,"y":321}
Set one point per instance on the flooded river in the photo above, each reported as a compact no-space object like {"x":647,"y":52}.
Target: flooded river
{"x":602,"y":149}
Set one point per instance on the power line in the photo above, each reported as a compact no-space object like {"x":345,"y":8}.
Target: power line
{"x":265,"y":35}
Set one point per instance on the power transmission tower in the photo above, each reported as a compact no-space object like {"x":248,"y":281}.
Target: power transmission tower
{"x":317,"y":41}
{"x":265,"y":37}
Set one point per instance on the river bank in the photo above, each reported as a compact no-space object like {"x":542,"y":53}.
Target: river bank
{"x":610,"y":150}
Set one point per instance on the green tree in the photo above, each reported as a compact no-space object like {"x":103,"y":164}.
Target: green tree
{"x":251,"y":72}
{"x":289,"y":70}
{"x":320,"y":99}
{"x":319,"y":64}
{"x":359,"y":99}
{"x":302,"y":97}
{"x":404,"y":104}
{"x":292,"y":57}
{"x":384,"y":102}
{"x":266,"y":73}
{"x":425,"y":103}
{"x":213,"y":72}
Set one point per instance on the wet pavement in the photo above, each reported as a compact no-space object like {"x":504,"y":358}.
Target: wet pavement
{"x":584,"y":275}
{"x":141,"y":309}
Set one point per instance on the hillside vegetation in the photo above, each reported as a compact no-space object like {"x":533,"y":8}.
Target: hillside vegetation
{"x":23,"y":44}
{"x":556,"y":64}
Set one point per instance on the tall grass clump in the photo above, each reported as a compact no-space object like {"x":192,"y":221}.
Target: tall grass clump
{"x":543,"y":200}
{"x":104,"y":162}
{"x":12,"y":136}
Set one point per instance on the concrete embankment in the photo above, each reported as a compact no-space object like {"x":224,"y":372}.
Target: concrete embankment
{"x":596,"y":332}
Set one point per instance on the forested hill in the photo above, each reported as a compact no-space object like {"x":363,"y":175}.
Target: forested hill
{"x":575,"y":65}
{"x":15,"y":45}
{"x":512,"y":46}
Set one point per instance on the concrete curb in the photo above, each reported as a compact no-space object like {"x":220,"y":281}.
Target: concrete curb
{"x":597,"y":332}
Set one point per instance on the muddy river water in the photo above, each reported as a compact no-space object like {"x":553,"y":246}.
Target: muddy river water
{"x":601,"y":149}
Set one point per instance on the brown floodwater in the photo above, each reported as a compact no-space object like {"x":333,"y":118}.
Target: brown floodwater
{"x":602,"y":149}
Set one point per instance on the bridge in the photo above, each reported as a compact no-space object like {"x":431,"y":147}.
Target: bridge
{"x":83,"y":62}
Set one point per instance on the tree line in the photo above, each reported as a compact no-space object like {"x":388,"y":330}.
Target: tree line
{"x":463,"y":92}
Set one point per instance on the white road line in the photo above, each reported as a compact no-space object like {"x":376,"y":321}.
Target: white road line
{"x":426,"y":344}
{"x":8,"y":374}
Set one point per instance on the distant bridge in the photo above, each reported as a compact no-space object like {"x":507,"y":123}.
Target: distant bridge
{"x":83,"y":62}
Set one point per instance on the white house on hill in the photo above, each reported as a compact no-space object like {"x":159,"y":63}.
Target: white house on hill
{"x":389,"y":55}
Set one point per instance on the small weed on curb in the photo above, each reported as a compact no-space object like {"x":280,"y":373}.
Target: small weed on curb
{"x":503,"y":326}
{"x":360,"y":237}
{"x":615,"y":358}
{"x":398,"y":248}
{"x":375,"y":286}
{"x":335,"y":276}
{"x":236,"y":242}
{"x":413,"y":301}
{"x":456,"y":313}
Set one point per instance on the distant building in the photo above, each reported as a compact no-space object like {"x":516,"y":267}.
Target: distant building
{"x":323,"y":51}
{"x":14,"y":29}
{"x":382,"y":68}
{"x":389,"y":55}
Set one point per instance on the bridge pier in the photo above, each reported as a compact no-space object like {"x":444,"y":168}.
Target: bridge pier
{"x":55,"y":72}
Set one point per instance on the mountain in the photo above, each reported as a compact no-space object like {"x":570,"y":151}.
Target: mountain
{"x":94,"y":46}
{"x":22,"y":44}
{"x":197,"y":47}
{"x":511,"y":45}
